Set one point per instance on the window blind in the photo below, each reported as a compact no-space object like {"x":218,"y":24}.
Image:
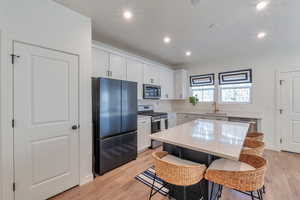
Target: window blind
{"x":235,"y":77}
{"x":202,"y":80}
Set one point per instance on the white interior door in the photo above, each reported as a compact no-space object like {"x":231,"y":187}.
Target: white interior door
{"x":290,"y":111}
{"x":45,"y":111}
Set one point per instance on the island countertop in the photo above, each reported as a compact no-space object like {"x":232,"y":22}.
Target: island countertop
{"x":220,"y":138}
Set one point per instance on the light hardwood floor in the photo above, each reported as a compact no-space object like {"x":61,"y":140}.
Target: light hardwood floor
{"x":282,"y":181}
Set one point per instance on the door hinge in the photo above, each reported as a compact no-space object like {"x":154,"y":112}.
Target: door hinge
{"x":14,"y":186}
{"x":13,"y":123}
{"x":281,"y":82}
{"x":280,"y":140}
{"x":13,"y":58}
{"x":280,"y":111}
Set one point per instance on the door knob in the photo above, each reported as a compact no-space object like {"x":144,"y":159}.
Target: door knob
{"x":74,"y":127}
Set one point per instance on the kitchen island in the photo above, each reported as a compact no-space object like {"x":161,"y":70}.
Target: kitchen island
{"x":202,"y":141}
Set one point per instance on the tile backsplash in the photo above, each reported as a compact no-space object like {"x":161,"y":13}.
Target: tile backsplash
{"x":158,"y":105}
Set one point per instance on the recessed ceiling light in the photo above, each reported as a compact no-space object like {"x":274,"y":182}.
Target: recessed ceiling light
{"x":167,"y":40}
{"x":261,"y":5}
{"x":261,"y":35}
{"x":188,"y":53}
{"x":127,"y":15}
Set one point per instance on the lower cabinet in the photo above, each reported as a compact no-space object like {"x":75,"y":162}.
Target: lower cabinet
{"x":144,"y":131}
{"x":172,"y":120}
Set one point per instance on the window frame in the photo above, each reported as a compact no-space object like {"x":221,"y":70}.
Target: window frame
{"x":228,"y":86}
{"x":214,"y":89}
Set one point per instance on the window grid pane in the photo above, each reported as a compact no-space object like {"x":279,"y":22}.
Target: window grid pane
{"x":235,"y":95}
{"x":204,"y":95}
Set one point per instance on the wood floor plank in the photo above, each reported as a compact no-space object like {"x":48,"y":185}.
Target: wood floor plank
{"x":282,"y":181}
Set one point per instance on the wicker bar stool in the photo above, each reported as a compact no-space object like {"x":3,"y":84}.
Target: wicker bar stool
{"x":176,"y":171}
{"x":253,"y":147}
{"x":246,"y":175}
{"x":255,"y":136}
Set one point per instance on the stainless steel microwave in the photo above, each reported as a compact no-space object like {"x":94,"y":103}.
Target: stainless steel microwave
{"x":151,"y":91}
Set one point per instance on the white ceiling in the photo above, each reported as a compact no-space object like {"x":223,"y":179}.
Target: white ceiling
{"x":213,"y":29}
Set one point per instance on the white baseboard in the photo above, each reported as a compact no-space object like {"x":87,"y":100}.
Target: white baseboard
{"x":272,"y":148}
{"x":87,"y":179}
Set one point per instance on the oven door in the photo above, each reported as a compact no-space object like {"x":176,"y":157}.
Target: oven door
{"x":157,"y":126}
{"x":151,"y":91}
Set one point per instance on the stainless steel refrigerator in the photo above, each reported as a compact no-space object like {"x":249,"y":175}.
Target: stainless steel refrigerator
{"x":114,"y":123}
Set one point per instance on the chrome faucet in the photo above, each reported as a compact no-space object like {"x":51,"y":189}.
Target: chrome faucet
{"x":215,"y":107}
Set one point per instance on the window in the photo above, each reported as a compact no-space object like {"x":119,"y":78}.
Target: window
{"x":235,"y":93}
{"x":204,"y":93}
{"x":203,"y":87}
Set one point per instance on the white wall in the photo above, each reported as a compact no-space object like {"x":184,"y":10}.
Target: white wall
{"x":0,"y":121}
{"x":51,"y":25}
{"x":264,"y":88}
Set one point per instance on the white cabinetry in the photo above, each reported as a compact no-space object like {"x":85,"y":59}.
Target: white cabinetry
{"x":117,"y":67}
{"x":135,"y":72}
{"x":108,"y":65}
{"x":100,"y":63}
{"x":151,"y":74}
{"x":167,"y":83}
{"x":172,"y":120}
{"x":112,"y":63}
{"x":144,"y":131}
{"x":181,"y":84}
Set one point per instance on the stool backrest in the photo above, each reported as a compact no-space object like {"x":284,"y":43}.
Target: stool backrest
{"x":181,"y":175}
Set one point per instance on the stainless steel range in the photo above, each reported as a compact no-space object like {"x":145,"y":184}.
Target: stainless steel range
{"x":159,"y":121}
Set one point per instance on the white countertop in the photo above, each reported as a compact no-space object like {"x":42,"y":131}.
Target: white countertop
{"x":228,"y":114}
{"x":220,"y":138}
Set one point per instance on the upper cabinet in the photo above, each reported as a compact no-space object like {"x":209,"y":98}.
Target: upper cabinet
{"x":100,"y":63}
{"x":111,"y":63}
{"x":135,"y":72}
{"x":151,"y":74}
{"x":167,"y":83}
{"x":181,"y":84}
{"x":108,"y":65}
{"x":117,"y":67}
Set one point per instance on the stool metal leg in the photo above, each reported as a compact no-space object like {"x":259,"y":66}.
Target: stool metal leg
{"x":184,"y":193}
{"x":219,"y":193}
{"x":252,"y":196}
{"x":211,"y":191}
{"x":201,"y":191}
{"x":261,"y":194}
{"x":152,"y":187}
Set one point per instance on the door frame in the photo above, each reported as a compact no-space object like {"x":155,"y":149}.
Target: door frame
{"x":7,"y":113}
{"x":6,"y":72}
{"x":279,"y":135}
